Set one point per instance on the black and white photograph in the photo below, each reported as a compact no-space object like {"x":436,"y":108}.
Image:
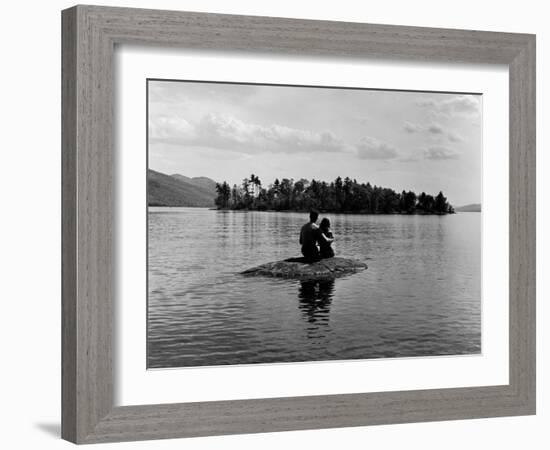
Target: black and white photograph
{"x":275,"y":225}
{"x":290,"y":224}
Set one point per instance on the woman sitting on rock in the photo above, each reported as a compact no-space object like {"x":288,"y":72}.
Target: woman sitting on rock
{"x":325,"y":239}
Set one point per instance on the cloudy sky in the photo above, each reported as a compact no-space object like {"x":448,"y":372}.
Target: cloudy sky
{"x":402,"y":140}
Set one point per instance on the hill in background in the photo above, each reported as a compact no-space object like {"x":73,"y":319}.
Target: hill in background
{"x":474,"y":207}
{"x":202,"y":182}
{"x":179,"y":190}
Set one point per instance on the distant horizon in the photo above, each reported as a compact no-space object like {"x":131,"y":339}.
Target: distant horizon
{"x":417,"y":141}
{"x":458,"y":205}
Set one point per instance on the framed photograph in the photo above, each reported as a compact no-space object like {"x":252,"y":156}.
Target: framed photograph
{"x":277,"y":224}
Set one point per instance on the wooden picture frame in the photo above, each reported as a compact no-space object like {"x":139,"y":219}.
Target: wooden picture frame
{"x":89,"y":37}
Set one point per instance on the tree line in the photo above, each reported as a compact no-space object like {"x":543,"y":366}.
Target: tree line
{"x":339,"y":196}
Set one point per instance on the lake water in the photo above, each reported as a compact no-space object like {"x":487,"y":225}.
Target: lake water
{"x":420,"y":295}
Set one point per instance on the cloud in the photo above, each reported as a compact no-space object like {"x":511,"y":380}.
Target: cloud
{"x":410,"y":127}
{"x":440,"y":154}
{"x":454,"y":137}
{"x":226,"y":132}
{"x":455,"y":105}
{"x":438,"y":130}
{"x":167,"y":129}
{"x":191,"y":93}
{"x":371,"y":148}
{"x":409,"y":159}
{"x":465,"y":104}
{"x":435,"y":129}
{"x":426,"y":103}
{"x":166,"y":92}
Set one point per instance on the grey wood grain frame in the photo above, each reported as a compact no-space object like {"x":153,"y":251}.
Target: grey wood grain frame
{"x":89,"y":37}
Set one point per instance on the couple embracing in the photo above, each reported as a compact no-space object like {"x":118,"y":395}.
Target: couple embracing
{"x":316,"y":240}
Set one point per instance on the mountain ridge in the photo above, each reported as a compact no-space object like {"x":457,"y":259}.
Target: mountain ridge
{"x":202,"y":182}
{"x":472,"y":207}
{"x":179,"y":190}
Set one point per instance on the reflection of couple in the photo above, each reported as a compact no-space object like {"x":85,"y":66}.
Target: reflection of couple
{"x":316,"y":240}
{"x":315,"y":299}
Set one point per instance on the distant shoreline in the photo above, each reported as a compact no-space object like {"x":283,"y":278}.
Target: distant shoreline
{"x":348,"y":213}
{"x":181,"y":206}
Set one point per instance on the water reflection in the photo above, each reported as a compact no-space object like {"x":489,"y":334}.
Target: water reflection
{"x":315,"y":298}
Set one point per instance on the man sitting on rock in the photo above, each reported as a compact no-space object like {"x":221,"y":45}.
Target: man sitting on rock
{"x":309,"y":235}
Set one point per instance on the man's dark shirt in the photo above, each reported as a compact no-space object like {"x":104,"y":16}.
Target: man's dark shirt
{"x":308,"y":239}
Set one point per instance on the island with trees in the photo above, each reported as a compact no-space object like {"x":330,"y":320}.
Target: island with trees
{"x":338,"y":196}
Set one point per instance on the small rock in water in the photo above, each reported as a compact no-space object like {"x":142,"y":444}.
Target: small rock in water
{"x":300,"y":268}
